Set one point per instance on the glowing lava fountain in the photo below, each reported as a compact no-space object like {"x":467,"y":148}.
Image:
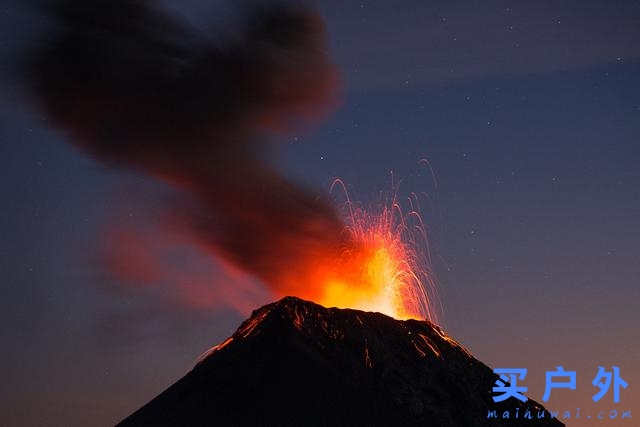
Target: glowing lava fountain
{"x":390,"y":271}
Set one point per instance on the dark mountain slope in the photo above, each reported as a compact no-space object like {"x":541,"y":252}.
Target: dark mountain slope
{"x":295,"y":363}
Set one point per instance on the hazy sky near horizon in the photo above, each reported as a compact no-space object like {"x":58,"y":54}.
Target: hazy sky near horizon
{"x":529,"y":114}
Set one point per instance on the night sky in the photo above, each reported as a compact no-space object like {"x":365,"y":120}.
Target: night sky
{"x":527,"y":112}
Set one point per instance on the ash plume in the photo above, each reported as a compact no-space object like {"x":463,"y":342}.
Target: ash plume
{"x":137,"y":89}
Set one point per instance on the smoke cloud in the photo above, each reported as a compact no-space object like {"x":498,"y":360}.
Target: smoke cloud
{"x":137,"y":89}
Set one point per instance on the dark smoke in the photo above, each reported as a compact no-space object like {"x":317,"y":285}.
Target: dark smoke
{"x":137,"y":89}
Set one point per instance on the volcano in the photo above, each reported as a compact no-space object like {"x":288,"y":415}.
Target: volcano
{"x":296,"y":363}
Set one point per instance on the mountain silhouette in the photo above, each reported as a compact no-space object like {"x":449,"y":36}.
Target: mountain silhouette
{"x":296,"y":363}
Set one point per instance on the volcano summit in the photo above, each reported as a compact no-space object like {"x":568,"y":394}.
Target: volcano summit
{"x":295,"y":363}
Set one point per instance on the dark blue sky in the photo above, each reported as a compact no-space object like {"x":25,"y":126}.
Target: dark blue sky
{"x":529,"y":114}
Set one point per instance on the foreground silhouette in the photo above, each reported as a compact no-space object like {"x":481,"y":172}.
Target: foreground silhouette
{"x":296,"y":363}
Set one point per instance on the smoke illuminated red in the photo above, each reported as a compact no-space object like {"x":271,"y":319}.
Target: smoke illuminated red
{"x":381,"y":264}
{"x":201,"y":117}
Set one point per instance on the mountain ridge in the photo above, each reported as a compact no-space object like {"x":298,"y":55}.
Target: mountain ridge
{"x":294,"y":362}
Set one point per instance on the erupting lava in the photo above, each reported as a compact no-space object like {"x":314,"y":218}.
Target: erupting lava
{"x":386,"y":268}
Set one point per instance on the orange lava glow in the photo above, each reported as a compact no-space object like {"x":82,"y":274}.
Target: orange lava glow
{"x":389,"y":269}
{"x":378,"y":261}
